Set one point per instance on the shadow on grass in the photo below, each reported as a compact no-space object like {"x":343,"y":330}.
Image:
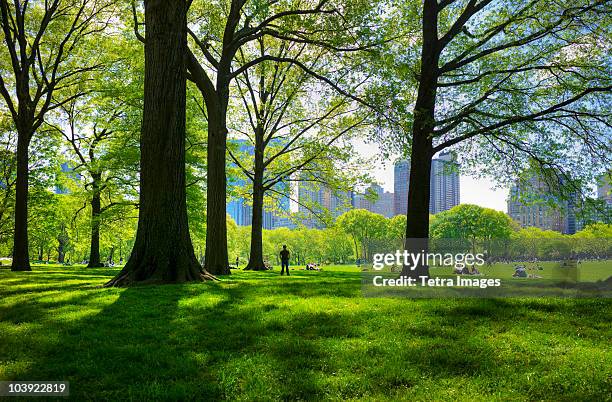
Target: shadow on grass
{"x":247,"y":339}
{"x":140,"y":344}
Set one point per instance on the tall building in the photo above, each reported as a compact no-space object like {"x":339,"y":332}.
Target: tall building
{"x":242,"y":213}
{"x":67,"y":171}
{"x":240,"y":209}
{"x":604,"y":188}
{"x":444,"y":179}
{"x":604,"y":194}
{"x":321,"y":201}
{"x":383,"y":205}
{"x":533,"y":204}
{"x":444,"y":184}
{"x":281,"y":218}
{"x":401,"y":177}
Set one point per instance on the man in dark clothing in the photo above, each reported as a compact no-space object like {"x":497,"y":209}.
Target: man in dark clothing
{"x":284,"y":255}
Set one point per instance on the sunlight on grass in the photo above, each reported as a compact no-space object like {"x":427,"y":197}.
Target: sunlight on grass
{"x":256,"y":335}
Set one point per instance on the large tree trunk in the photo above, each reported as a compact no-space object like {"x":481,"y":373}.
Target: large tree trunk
{"x":256,"y":262}
{"x":417,"y":215}
{"x":21,"y":258}
{"x":61,"y":254}
{"x":163,"y":252}
{"x":96,"y":207}
{"x":216,"y":259}
{"x":62,"y":242}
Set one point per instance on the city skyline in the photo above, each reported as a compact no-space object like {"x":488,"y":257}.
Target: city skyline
{"x":482,"y":191}
{"x":448,"y":188}
{"x":319,"y":201}
{"x":533,"y":204}
{"x":240,"y":209}
{"x":444,"y":184}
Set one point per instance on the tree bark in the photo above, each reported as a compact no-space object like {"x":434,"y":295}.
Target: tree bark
{"x":216,"y":259}
{"x":61,"y":253}
{"x":417,"y":215}
{"x":21,"y":258}
{"x":256,"y":262}
{"x":163,"y":252}
{"x":96,"y":207}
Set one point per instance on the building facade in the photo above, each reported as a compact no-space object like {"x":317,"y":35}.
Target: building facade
{"x":604,"y":195}
{"x":444,"y":179}
{"x":319,"y":201}
{"x":383,"y":204}
{"x":240,"y":209}
{"x":445,"y":189}
{"x":532,"y":204}
{"x":604,"y":188}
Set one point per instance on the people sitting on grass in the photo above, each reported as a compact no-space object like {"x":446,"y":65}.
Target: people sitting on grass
{"x":519,"y":272}
{"x":466,"y":271}
{"x":311,"y":266}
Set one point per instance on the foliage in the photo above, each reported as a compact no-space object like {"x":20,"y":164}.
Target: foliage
{"x":467,"y":221}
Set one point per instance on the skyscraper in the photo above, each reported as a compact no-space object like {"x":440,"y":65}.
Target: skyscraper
{"x":67,"y":171}
{"x":240,"y":209}
{"x":319,"y":201}
{"x":282,"y":217}
{"x":401,"y":177}
{"x":444,"y":190}
{"x":604,"y":194}
{"x":532,"y":204}
{"x":604,"y":189}
{"x":383,"y":205}
{"x":444,"y":185}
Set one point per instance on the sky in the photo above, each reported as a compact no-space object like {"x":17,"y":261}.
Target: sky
{"x":480,"y":191}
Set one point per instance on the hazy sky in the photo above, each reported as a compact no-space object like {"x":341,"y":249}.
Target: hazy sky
{"x":473,"y":191}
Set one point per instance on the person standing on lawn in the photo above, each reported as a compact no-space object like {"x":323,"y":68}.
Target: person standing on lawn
{"x":284,"y":256}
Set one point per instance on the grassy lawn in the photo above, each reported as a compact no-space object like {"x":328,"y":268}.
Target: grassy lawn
{"x":308,"y":336}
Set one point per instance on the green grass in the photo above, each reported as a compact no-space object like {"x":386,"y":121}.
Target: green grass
{"x":308,"y":336}
{"x":588,"y":279}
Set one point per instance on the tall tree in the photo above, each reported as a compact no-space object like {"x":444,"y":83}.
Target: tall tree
{"x":505,"y":83}
{"x":163,"y":251}
{"x":365,"y":228}
{"x":218,"y":35}
{"x":7,"y":180}
{"x":98,"y":129}
{"x":287,"y":130}
{"x":40,"y":39}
